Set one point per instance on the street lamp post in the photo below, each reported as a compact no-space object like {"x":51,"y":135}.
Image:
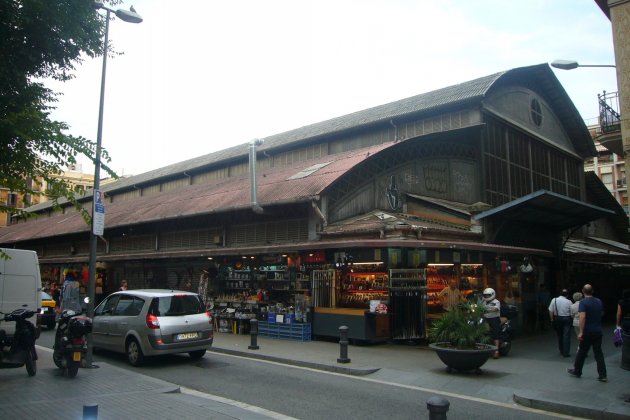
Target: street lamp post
{"x":96,"y":228}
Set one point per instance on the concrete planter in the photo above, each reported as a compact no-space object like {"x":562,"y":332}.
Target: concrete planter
{"x":463,"y":360}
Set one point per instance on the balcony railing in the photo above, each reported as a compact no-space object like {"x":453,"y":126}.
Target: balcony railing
{"x":609,"y":117}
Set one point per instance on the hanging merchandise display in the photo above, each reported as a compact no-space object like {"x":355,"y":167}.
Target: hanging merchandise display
{"x":408,"y":303}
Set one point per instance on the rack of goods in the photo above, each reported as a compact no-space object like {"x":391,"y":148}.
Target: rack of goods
{"x":324,"y":288}
{"x":437,"y":279}
{"x":471,"y":278}
{"x":239,"y":280}
{"x":358,"y":289}
{"x":407,"y":303}
{"x":344,"y":299}
{"x":292,"y":331}
{"x":281,"y":279}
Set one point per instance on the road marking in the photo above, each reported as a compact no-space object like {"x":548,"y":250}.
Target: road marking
{"x":242,"y":405}
{"x":513,"y":406}
{"x":193,"y":392}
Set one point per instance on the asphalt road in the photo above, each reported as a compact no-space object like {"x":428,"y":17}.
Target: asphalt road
{"x":305,"y":393}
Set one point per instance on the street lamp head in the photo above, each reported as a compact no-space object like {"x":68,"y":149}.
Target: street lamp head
{"x":127,"y":15}
{"x":571,"y":64}
{"x":565,"y":64}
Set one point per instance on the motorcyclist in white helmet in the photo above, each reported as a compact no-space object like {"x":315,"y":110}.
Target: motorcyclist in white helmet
{"x":493,"y":316}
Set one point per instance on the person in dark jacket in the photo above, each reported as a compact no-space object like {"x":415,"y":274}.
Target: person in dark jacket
{"x":591,"y":313}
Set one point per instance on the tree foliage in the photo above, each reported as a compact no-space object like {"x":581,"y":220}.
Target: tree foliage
{"x":42,"y":39}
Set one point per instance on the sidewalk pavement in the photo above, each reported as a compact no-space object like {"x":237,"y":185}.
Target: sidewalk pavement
{"x":118,"y":394}
{"x":534,"y":374}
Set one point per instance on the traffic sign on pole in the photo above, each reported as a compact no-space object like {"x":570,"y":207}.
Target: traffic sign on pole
{"x":98,"y":225}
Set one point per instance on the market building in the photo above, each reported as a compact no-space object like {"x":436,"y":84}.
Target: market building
{"x":313,"y":228}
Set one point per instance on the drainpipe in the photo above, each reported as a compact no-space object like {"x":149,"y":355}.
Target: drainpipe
{"x":395,"y":131}
{"x":252,"y":174}
{"x":319,"y":213}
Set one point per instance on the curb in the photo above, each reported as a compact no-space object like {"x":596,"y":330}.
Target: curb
{"x":534,"y":400}
{"x":362,"y":371}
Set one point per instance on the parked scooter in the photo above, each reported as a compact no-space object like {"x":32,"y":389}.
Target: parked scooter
{"x":508,"y":313}
{"x":19,"y":350}
{"x":71,"y":342}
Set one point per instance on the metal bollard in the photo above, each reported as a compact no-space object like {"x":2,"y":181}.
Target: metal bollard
{"x":343,"y":345}
{"x":438,"y":407}
{"x":253,"y":332}
{"x":90,"y":411}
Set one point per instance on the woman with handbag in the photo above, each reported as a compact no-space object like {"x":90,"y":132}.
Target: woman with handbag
{"x":623,"y":312}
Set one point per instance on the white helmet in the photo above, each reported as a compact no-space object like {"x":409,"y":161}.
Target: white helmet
{"x":489,"y":294}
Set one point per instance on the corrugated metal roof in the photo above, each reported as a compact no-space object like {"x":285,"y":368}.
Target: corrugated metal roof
{"x":449,"y":96}
{"x":538,"y":77}
{"x":576,"y":246}
{"x":274,"y":187}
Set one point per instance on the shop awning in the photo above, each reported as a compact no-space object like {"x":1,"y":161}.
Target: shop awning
{"x":545,"y":208}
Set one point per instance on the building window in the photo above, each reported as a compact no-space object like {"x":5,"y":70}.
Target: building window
{"x":536,"y":112}
{"x":12,"y":200}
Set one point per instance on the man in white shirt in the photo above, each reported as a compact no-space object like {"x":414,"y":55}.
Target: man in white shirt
{"x":560,"y":314}
{"x":450,"y":295}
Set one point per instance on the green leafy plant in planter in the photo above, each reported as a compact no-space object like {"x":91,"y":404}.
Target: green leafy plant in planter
{"x":460,"y":338}
{"x":461,"y":327}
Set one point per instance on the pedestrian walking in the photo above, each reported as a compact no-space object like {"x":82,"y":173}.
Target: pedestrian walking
{"x":123,"y":285}
{"x":71,"y":292}
{"x":55,"y":293}
{"x":591,"y":313}
{"x":575,"y":314}
{"x":560,"y":315}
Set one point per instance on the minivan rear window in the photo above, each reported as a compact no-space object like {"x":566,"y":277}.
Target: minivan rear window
{"x":177,"y":305}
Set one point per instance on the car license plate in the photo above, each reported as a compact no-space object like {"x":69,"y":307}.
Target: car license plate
{"x":186,"y":336}
{"x":76,"y":356}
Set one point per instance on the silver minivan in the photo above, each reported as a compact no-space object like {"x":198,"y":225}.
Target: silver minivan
{"x":151,"y":322}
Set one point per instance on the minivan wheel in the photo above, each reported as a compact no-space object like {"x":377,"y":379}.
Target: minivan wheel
{"x":134,"y":353}
{"x":197,"y":354}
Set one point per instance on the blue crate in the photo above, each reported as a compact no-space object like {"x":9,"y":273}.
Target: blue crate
{"x":298,"y":332}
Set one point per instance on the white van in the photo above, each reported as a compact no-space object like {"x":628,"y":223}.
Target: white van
{"x":20,"y":285}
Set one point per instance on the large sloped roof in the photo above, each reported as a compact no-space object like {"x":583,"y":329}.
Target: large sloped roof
{"x":275,"y":186}
{"x":539,"y":78}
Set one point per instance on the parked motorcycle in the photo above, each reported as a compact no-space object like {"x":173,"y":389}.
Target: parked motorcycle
{"x":508,"y":313}
{"x":71,"y":342}
{"x":19,"y":350}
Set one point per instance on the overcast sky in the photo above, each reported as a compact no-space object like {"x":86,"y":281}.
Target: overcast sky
{"x":198,"y":76}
